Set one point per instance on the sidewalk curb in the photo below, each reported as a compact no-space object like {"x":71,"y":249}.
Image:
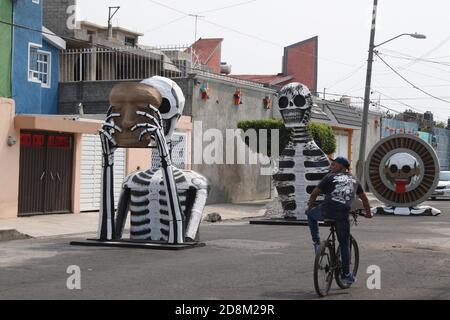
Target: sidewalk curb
{"x":12,"y":234}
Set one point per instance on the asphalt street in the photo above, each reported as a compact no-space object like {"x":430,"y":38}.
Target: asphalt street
{"x":240,"y":261}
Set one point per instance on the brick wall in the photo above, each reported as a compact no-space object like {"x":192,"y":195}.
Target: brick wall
{"x":300,"y":61}
{"x":55,"y":16}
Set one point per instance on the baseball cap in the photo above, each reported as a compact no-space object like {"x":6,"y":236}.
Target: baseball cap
{"x":343,"y":161}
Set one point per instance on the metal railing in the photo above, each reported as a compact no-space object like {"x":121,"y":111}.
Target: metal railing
{"x":134,"y":63}
{"x":109,"y":64}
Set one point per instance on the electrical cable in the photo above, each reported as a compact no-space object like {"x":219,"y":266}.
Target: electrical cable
{"x":227,"y":7}
{"x":185,"y":15}
{"x":412,"y":84}
{"x":346,"y":77}
{"x":246,"y":34}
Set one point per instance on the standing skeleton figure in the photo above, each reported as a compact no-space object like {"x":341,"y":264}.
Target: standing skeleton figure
{"x":166,"y":204}
{"x":302,"y":163}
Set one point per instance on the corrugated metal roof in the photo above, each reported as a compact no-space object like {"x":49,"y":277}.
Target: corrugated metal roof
{"x":319,"y":115}
{"x":344,"y":114}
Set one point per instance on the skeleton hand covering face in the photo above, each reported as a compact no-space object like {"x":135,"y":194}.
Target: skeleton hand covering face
{"x":126,"y":99}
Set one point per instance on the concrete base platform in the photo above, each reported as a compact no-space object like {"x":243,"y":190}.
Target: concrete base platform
{"x":154,"y":245}
{"x":282,"y":222}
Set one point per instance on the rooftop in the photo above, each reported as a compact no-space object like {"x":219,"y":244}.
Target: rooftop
{"x":204,"y":49}
{"x":268,"y":79}
{"x":100,"y":27}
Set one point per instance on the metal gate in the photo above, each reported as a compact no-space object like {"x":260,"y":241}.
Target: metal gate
{"x":45,"y":183}
{"x":179,"y":152}
{"x":342,"y":146}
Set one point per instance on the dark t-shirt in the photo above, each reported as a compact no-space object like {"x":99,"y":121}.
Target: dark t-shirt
{"x":339,"y":190}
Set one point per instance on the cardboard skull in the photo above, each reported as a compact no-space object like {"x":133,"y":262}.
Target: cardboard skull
{"x":400,"y":170}
{"x":295,"y":104}
{"x":172,"y":104}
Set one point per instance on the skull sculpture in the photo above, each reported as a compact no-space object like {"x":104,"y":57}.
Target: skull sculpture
{"x":172,"y":104}
{"x":400,"y":170}
{"x":166,"y":204}
{"x":302,"y":163}
{"x":295,"y":103}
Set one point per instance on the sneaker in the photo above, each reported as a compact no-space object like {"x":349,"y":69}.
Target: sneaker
{"x":348,"y":279}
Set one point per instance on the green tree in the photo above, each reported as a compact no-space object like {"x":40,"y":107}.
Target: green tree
{"x":441,"y":125}
{"x":322,"y":134}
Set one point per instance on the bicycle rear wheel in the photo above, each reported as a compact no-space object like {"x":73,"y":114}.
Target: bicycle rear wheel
{"x":323,"y":269}
{"x":354,"y":263}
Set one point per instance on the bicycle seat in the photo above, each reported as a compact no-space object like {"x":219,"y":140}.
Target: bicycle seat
{"x":329,"y":222}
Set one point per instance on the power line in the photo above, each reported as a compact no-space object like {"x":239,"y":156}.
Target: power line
{"x":346,"y":77}
{"x":40,"y":31}
{"x":404,"y":104}
{"x":416,"y":72}
{"x":168,"y":7}
{"x":166,"y":24}
{"x":385,"y":107}
{"x":243,"y":33}
{"x":421,"y":61}
{"x":97,"y":46}
{"x":425,"y":86}
{"x":429,"y":52}
{"x":409,"y":57}
{"x":396,"y":100}
{"x":185,"y":15}
{"x":246,"y":34}
{"x":417,"y":98}
{"x":428,"y":76}
{"x":406,"y":80}
{"x":227,"y":7}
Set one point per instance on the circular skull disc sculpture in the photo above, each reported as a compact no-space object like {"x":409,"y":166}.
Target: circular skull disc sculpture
{"x":402,"y":171}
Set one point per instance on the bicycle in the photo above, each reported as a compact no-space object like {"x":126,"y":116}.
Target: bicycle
{"x":328,"y":262}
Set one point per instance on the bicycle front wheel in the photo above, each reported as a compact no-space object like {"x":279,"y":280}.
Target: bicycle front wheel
{"x":323,"y":269}
{"x":354,"y":263}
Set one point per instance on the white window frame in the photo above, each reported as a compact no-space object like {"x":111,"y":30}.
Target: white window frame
{"x":32,"y":73}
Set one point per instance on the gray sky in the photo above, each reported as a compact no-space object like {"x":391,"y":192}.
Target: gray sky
{"x":343,"y":29}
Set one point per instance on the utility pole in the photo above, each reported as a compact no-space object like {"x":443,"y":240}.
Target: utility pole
{"x":196,"y":16}
{"x":110,"y":16}
{"x":362,"y":149}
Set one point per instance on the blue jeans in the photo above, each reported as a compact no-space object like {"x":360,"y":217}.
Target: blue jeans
{"x":342,"y":231}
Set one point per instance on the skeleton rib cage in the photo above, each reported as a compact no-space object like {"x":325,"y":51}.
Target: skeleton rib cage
{"x":148,"y":201}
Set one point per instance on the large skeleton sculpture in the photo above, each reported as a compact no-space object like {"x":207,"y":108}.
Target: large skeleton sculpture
{"x":402,"y":171}
{"x":302,"y":163}
{"x":165,"y":204}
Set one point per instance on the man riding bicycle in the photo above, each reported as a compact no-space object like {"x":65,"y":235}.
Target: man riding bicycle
{"x":339,"y":188}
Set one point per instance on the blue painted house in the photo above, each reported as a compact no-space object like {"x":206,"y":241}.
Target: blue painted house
{"x":35,"y":66}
